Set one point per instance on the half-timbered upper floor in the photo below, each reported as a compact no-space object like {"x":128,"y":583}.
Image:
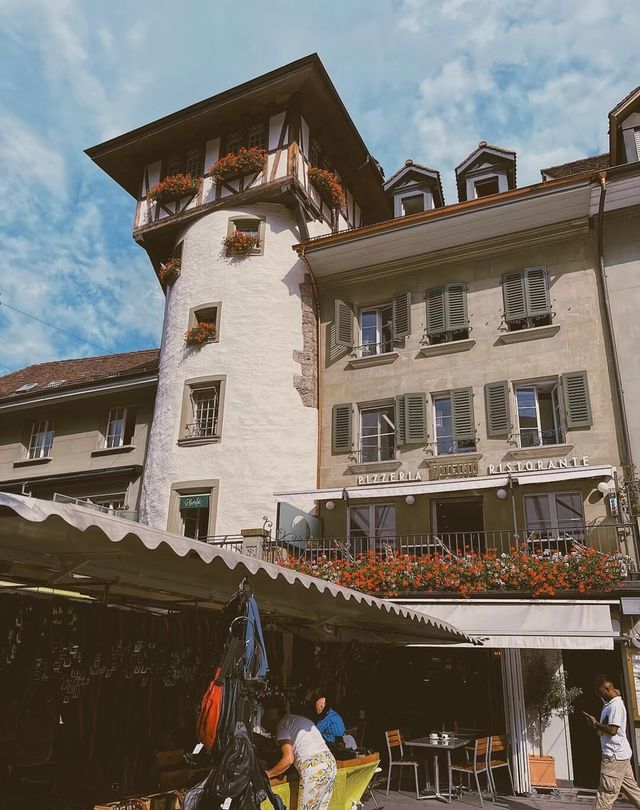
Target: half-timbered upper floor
{"x":282,"y":137}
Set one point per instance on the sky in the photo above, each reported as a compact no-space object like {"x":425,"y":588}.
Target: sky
{"x":422,"y":79}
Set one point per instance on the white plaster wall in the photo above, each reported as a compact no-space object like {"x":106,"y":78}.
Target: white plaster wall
{"x":268,"y":436}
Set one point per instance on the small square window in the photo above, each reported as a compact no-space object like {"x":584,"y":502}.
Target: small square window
{"x":251,"y":233}
{"x":486,"y":187}
{"x":194,"y":511}
{"x":413,"y":204}
{"x":234,"y":141}
{"x":256,"y":136}
{"x":41,"y":440}
{"x":120,"y":426}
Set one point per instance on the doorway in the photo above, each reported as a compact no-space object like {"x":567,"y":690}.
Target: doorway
{"x":459,"y":523}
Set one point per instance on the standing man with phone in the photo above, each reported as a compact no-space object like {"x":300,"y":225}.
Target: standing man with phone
{"x":616,"y":773}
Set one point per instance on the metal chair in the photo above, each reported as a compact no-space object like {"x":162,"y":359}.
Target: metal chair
{"x":395,"y":742}
{"x":500,"y":746}
{"x":479,"y":763}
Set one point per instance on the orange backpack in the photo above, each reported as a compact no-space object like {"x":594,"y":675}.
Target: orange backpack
{"x":210,"y":711}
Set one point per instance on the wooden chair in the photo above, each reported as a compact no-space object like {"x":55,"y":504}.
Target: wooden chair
{"x":477,"y":763}
{"x":500,"y":746}
{"x":395,"y":746}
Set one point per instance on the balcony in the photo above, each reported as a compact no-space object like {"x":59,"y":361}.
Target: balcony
{"x":206,"y":429}
{"x":539,"y":438}
{"x":569,"y":558}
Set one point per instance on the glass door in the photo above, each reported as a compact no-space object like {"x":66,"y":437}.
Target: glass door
{"x":371,"y":527}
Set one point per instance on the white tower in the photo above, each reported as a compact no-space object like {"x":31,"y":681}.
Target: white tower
{"x":224,"y":191}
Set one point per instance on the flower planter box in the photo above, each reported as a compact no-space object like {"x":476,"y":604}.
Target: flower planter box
{"x":239,"y":244}
{"x":328,"y":186}
{"x":236,"y":164}
{"x":542,"y":771}
{"x":173,"y":188}
{"x":200,"y":334}
{"x":169,"y":272}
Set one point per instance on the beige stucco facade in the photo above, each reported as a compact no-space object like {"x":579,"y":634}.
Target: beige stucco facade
{"x":573,"y":342}
{"x":79,"y":465}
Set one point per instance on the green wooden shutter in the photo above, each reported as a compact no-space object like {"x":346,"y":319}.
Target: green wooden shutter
{"x":496,"y":399}
{"x":343,"y":318}
{"x":537,"y":289}
{"x":464,"y":428}
{"x":401,"y":315}
{"x":411,"y":418}
{"x":456,"y":307}
{"x":436,"y":321}
{"x":515,"y":299}
{"x":577,"y":405}
{"x":401,"y":433}
{"x":341,"y":426}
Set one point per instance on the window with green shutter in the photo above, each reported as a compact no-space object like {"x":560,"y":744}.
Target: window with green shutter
{"x":454,"y":420}
{"x":411,"y":418}
{"x":496,"y":398}
{"x":341,"y":428}
{"x":447,"y":316}
{"x":527,"y":303}
{"x":575,"y":395}
{"x":343,"y":318}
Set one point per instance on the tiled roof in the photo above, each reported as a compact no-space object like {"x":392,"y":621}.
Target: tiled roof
{"x":410,"y":164}
{"x":620,"y":105}
{"x":44,"y":377}
{"x":484,"y":145}
{"x":587,"y":164}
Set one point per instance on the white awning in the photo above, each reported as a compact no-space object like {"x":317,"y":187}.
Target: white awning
{"x":397,"y":490}
{"x":67,"y":546}
{"x":527,"y":625}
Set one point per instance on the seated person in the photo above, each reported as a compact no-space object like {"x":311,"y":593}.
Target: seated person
{"x":328,"y":721}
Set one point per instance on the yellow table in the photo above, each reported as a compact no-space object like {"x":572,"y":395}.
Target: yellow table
{"x":351,"y":782}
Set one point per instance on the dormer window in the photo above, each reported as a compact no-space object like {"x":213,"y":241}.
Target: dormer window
{"x":413,"y":204}
{"x":414,"y":189}
{"x":486,"y":187}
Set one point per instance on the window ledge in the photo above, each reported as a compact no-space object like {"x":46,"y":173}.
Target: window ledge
{"x":541,"y":451}
{"x":196,"y":442}
{"x":32,"y":462}
{"x":451,"y":347}
{"x":374,"y":466}
{"x":374,"y":360}
{"x":537,"y":332}
{"x":452,"y":458}
{"x":108,"y":451}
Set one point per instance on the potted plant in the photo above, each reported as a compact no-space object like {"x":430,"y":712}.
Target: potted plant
{"x":546,"y":694}
{"x":245,"y":161}
{"x":169,"y":271}
{"x":328,"y":186}
{"x":173,"y":188}
{"x":239,"y":243}
{"x":201,"y":333}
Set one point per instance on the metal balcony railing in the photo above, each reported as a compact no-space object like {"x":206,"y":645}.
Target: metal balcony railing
{"x":608,"y":539}
{"x":127,"y":514}
{"x":372,"y":349}
{"x":538,"y":438}
{"x":207,"y":429}
{"x":374,"y":451}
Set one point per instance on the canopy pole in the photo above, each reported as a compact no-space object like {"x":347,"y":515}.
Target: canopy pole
{"x":516,"y":718}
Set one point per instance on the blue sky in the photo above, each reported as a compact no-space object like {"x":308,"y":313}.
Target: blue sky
{"x":421,"y":79}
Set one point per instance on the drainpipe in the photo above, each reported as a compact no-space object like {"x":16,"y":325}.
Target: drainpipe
{"x":627,"y":454}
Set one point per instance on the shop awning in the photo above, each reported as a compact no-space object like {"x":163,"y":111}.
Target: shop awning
{"x":388,"y":489}
{"x":69,"y":546}
{"x":529,"y":624}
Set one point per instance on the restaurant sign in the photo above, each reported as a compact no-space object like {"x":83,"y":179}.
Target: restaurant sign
{"x":400,"y":476}
{"x":461,"y":469}
{"x":540,"y":464}
{"x":193,"y":502}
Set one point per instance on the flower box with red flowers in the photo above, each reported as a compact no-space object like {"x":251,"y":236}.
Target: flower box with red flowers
{"x":328,"y":186}
{"x":246,"y":160}
{"x":239,"y":244}
{"x":169,"y":271}
{"x":201,"y":333}
{"x":173,"y":188}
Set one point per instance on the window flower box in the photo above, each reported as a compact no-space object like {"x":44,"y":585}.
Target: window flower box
{"x":201,"y":333}
{"x":169,"y":271}
{"x":244,"y":161}
{"x":239,"y":244}
{"x":173,"y":188}
{"x":328,"y":186}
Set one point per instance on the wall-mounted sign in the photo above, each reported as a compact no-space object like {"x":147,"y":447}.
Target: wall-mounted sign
{"x":462,"y":469}
{"x":397,"y":477}
{"x":193,"y":502}
{"x":540,"y":464}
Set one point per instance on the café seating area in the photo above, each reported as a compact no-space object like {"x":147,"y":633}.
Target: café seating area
{"x":471,"y":755}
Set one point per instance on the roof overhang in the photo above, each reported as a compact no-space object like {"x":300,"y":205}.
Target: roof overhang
{"x":70,"y":547}
{"x":123,"y":158}
{"x":502,"y":215}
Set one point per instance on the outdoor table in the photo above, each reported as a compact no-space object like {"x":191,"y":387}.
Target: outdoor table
{"x":351,"y":782}
{"x":438,"y":746}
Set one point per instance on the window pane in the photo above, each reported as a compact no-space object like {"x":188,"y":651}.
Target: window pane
{"x":359,"y":521}
{"x":41,"y":440}
{"x":569,"y":510}
{"x":369,"y":329}
{"x":234,"y":141}
{"x":116,"y":427}
{"x":195,"y":523}
{"x":377,"y":434}
{"x":444,"y":426}
{"x":256,"y":136}
{"x":386,"y":324}
{"x":385,"y":520}
{"x":205,"y":411}
{"x":486,"y":187}
{"x":194,"y":162}
{"x":413,"y":204}
{"x":174,"y":165}
{"x":537,"y":510}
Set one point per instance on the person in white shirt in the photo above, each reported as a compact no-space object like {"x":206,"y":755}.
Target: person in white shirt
{"x":303,"y":746}
{"x":616,"y":773}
